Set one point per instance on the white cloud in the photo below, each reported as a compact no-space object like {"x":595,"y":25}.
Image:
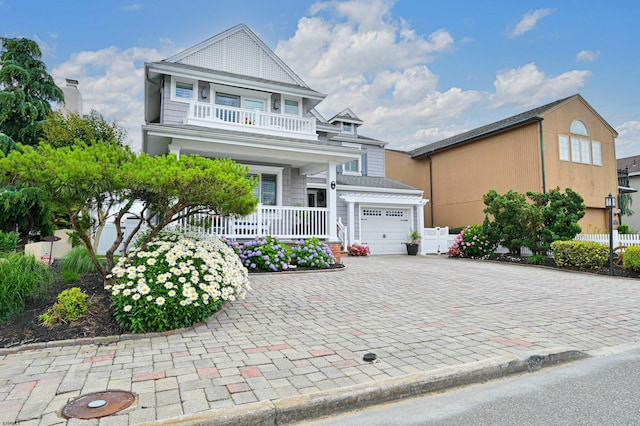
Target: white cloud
{"x":134,"y":6}
{"x":364,"y":59}
{"x":111,"y":81}
{"x":588,"y":56}
{"x":527,"y":86}
{"x":529,"y":21}
{"x":628,"y":140}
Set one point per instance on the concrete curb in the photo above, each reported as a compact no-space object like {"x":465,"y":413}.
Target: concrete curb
{"x":321,"y":404}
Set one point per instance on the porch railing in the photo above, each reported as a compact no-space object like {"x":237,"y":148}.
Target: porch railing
{"x":249,"y":120}
{"x":278,"y":221}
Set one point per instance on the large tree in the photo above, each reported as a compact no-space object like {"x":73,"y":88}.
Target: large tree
{"x":66,"y":129}
{"x":107,"y":180}
{"x":26,"y":90}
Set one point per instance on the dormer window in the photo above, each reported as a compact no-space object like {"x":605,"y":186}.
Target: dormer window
{"x":347,"y":127}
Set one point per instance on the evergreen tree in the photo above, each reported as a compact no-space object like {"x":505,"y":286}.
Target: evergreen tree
{"x":26,"y":90}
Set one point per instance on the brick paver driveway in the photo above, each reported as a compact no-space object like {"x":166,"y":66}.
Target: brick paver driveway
{"x":302,"y":333}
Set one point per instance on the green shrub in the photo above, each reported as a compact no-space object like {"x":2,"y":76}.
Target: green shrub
{"x":176,"y":282}
{"x":632,"y":258}
{"x":21,"y":277}
{"x":624,"y":229}
{"x":72,"y":305}
{"x":79,"y":261}
{"x":9,"y":241}
{"x":471,"y":242}
{"x":580,"y":254}
{"x":312,"y":253}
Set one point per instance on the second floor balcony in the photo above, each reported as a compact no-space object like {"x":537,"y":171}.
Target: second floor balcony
{"x":253,"y":121}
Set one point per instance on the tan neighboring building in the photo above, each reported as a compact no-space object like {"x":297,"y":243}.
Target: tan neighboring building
{"x":564,"y":144}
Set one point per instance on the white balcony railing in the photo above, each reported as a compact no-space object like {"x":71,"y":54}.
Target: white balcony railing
{"x":255,"y":121}
{"x":278,"y":221}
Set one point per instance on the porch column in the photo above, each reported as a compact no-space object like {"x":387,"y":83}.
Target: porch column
{"x":351,"y":221}
{"x":175,"y":148}
{"x":332,"y":204}
{"x":420,"y":218}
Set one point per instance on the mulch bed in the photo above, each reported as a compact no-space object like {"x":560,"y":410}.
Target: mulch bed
{"x":550,"y":263}
{"x":27,"y":327}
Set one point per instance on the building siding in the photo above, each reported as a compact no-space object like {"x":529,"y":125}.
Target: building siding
{"x":375,"y":161}
{"x":172,"y":112}
{"x":401,"y":167}
{"x":461,"y":176}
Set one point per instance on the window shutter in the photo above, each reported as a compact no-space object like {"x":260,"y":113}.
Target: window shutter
{"x":365,"y":164}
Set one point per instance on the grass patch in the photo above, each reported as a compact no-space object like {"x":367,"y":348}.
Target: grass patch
{"x":21,"y":277}
{"x":78,"y":261}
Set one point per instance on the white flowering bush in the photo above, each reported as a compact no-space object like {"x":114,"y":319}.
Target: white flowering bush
{"x":177,"y":281}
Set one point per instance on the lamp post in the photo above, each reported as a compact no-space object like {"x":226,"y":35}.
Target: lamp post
{"x":610,"y":203}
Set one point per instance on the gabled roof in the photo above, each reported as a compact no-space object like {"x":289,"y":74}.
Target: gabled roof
{"x":536,"y":114}
{"x":347,"y":116}
{"x":498,"y":126}
{"x":239,"y":51}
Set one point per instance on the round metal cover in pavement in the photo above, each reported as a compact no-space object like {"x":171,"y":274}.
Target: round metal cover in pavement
{"x":98,"y":404}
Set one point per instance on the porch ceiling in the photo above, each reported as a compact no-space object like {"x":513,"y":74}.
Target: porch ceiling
{"x":309,"y":157}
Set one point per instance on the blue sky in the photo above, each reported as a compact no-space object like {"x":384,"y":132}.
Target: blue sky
{"x":415,"y":71}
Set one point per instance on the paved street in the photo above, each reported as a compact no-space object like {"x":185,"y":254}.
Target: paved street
{"x":299,"y":334}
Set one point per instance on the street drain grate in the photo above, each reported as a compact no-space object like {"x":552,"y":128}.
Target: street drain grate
{"x":98,"y":404}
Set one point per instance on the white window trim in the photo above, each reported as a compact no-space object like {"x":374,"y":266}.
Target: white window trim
{"x":247,"y":98}
{"x":352,"y":131}
{"x":270,"y":170}
{"x":349,"y":173}
{"x":243,"y":94}
{"x":288,"y":98}
{"x":194,"y":96}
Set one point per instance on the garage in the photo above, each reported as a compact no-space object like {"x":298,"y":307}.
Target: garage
{"x":385,"y":230}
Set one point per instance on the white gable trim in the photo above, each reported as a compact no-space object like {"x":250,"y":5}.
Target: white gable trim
{"x":228,"y":33}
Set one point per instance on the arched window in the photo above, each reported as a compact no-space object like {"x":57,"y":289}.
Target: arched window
{"x":579,"y":128}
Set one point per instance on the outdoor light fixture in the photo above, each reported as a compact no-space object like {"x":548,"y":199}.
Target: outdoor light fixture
{"x":333,"y":184}
{"x":610,"y":203}
{"x":276,"y":104}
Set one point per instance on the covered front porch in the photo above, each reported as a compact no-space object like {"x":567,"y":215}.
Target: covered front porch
{"x":286,"y":161}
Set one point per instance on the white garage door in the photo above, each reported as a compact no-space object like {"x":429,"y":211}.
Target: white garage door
{"x":385,"y":230}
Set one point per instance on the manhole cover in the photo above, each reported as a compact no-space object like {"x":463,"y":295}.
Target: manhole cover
{"x":98,"y":404}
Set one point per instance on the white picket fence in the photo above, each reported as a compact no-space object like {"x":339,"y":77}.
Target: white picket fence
{"x":438,"y":240}
{"x":618,"y":239}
